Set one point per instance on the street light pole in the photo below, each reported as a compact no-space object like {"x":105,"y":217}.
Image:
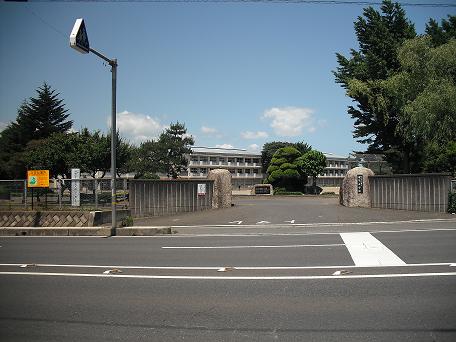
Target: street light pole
{"x":80,"y":42}
{"x":113,"y":146}
{"x":113,"y":64}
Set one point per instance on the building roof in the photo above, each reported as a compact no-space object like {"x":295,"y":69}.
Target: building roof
{"x":334,"y":156}
{"x":224,"y":151}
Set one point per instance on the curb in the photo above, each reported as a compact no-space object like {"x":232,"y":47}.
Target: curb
{"x":87,"y":231}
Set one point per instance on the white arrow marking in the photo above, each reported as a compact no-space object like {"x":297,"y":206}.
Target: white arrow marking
{"x":263,"y":222}
{"x":237,"y":222}
{"x":292,"y":221}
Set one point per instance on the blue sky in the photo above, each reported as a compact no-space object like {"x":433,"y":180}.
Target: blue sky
{"x":238,"y":75}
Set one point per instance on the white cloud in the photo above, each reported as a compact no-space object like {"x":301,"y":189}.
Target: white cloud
{"x":138,"y":127}
{"x":224,"y":146}
{"x":212,"y":132}
{"x":253,"y":148}
{"x":254,"y":135}
{"x":290,"y":121}
{"x":208,"y":130}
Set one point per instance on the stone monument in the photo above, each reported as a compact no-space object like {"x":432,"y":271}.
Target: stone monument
{"x":222,"y":188}
{"x":355,"y":188}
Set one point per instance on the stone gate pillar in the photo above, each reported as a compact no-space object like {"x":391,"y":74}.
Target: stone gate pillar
{"x":222,"y":188}
{"x":355,"y":188}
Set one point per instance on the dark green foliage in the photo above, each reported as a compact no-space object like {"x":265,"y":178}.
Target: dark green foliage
{"x":379,"y":36}
{"x":271,"y":147}
{"x":166,"y":155}
{"x":90,"y":152}
{"x":452,"y":203}
{"x":441,"y":158}
{"x":284,"y":192}
{"x":312,"y":164}
{"x":174,"y":145}
{"x":37,"y":119}
{"x":283,"y":171}
{"x":443,"y":33}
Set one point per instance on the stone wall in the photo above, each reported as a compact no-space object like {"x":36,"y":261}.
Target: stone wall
{"x":58,"y":218}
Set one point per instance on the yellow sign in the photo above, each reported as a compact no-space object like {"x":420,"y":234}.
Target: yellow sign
{"x":38,"y":178}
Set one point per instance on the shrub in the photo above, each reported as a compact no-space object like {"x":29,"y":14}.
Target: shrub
{"x":452,"y":203}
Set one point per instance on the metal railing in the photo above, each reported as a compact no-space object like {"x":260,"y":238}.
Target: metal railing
{"x":93,"y":194}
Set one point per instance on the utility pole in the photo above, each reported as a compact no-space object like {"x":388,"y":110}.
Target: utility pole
{"x":80,"y":42}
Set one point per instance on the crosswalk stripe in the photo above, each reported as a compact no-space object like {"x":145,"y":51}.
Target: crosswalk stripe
{"x":366,"y":250}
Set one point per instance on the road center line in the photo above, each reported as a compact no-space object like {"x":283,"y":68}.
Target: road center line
{"x":224,"y":278}
{"x":235,"y":267}
{"x":366,"y":250}
{"x":266,"y":246}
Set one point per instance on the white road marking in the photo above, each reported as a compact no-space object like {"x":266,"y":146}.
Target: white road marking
{"x":288,"y":234}
{"x":291,"y":221}
{"x":263,"y":222}
{"x":320,"y":224}
{"x":358,"y":276}
{"x":236,"y":222}
{"x":367,"y":250}
{"x":236,"y":267}
{"x":259,"y":246}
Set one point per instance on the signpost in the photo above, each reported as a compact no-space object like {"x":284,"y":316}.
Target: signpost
{"x":201,"y":189}
{"x":79,"y":41}
{"x":37,"y":179}
{"x":75,"y":188}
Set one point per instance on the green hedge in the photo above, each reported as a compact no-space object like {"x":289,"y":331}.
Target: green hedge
{"x":452,"y":203}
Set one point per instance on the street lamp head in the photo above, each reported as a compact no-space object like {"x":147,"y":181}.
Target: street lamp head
{"x":78,"y":37}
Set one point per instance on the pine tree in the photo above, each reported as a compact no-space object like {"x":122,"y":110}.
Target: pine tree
{"x":42,"y":116}
{"x":37,"y":119}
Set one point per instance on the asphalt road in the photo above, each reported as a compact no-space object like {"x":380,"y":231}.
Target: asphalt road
{"x":273,"y":283}
{"x":282,"y":210}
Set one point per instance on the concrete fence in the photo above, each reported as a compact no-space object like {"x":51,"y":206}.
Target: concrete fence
{"x":160,"y":198}
{"x":421,"y":192}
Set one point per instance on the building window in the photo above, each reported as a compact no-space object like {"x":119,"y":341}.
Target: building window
{"x":203,"y":171}
{"x":239,"y":171}
{"x":231,"y":160}
{"x":256,"y":160}
{"x":255,"y":171}
{"x":194,"y":170}
{"x":231,"y":170}
{"x":213,"y":159}
{"x":203,"y":159}
{"x":247,"y":171}
{"x":239,"y":160}
{"x":194,"y":158}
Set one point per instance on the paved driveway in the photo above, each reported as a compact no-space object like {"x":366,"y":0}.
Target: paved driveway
{"x":287,"y":210}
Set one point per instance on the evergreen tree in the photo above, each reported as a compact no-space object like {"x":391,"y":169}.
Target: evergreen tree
{"x":37,"y":119}
{"x":379,"y":36}
{"x":443,"y":33}
{"x":42,"y":116}
{"x":271,"y":147}
{"x":284,"y":171}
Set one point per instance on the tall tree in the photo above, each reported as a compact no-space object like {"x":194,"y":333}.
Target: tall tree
{"x":312,"y":164}
{"x":174,"y":144}
{"x":443,"y":33}
{"x":38,"y":118}
{"x":42,"y":116}
{"x":379,"y":36}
